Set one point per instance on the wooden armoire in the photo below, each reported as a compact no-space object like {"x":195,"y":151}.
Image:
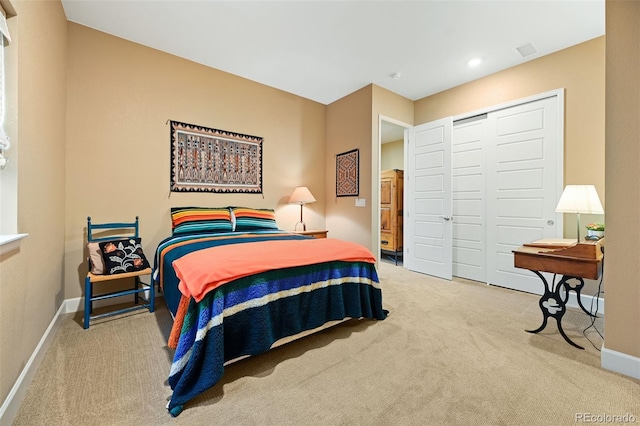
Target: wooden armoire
{"x":391,"y":201}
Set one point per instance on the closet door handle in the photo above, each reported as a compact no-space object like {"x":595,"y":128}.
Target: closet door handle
{"x":446,"y":218}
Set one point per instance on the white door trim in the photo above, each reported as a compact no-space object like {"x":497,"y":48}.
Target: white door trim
{"x":375,"y":182}
{"x":485,"y":110}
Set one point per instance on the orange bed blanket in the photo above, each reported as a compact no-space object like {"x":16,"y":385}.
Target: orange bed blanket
{"x":204,"y":270}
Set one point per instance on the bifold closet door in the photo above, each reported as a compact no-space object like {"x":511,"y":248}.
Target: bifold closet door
{"x":481,"y":188}
{"x":524,"y":177}
{"x":469,"y":199}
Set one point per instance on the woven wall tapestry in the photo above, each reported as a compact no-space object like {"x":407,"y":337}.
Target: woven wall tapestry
{"x":211,"y":160}
{"x":347,"y":169}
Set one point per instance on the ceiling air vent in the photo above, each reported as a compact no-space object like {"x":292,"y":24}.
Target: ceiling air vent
{"x":526,"y":50}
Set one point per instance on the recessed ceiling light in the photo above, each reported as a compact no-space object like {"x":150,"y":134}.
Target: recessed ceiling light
{"x":396,"y":75}
{"x":474,"y":62}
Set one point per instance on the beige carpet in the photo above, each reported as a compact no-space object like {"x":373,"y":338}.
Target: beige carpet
{"x":450,"y":353}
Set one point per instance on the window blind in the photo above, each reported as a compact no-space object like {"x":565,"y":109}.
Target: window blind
{"x":4,"y":40}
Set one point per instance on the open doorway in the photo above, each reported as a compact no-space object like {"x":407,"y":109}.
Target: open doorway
{"x":391,"y":190}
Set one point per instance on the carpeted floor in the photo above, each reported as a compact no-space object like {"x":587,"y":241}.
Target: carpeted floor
{"x":450,"y":353}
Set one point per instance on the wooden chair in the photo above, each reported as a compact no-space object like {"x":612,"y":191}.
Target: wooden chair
{"x":115,"y":231}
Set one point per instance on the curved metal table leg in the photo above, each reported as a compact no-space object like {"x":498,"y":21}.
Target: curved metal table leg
{"x":578,"y":287}
{"x":569,"y":341}
{"x":539,"y":329}
{"x":542,"y":302}
{"x":552,"y":305}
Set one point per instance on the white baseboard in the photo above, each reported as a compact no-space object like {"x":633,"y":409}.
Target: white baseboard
{"x":620,"y":363}
{"x":593,"y":304}
{"x":10,"y":406}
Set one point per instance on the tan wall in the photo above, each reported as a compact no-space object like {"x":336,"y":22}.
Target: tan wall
{"x":622,"y":270}
{"x":349,"y":127}
{"x":31,"y":279}
{"x":353,"y":122}
{"x":121,"y":95}
{"x":392,"y":156}
{"x":392,"y":106}
{"x":580,"y":70}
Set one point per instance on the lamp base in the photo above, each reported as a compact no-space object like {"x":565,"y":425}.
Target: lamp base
{"x":304,"y":226}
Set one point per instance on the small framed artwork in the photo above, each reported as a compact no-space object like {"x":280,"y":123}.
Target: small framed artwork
{"x":347,"y":174}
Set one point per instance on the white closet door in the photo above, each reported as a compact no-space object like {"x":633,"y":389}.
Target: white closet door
{"x":524,"y":160}
{"x":476,"y":191}
{"x":468,"y":191}
{"x":427,"y":215}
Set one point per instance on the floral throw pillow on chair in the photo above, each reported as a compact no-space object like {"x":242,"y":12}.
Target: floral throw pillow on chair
{"x":121,"y":256}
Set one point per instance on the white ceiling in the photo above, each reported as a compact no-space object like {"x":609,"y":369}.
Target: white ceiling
{"x":324,"y":50}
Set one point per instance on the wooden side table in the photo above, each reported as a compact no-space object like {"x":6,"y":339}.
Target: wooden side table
{"x":574,"y":261}
{"x":315,"y":233}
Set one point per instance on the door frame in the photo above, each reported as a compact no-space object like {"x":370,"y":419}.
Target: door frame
{"x":375,"y":182}
{"x":559,"y":94}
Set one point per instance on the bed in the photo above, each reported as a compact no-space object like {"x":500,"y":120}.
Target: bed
{"x":235,"y":284}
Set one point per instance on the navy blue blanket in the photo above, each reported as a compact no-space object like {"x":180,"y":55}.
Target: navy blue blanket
{"x":248,"y":315}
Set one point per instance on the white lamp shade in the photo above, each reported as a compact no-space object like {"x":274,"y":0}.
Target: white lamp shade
{"x":580,"y":199}
{"x":301,"y":195}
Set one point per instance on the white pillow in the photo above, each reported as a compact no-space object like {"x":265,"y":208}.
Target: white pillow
{"x":97,"y":264}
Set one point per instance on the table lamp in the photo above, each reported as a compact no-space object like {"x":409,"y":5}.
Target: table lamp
{"x":301,"y":195}
{"x":579,"y":199}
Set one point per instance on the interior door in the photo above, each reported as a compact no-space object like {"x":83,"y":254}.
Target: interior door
{"x":428,"y":228}
{"x":524,"y":166}
{"x":469,"y":198}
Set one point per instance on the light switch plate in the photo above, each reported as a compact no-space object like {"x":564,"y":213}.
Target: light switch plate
{"x":361,"y":202}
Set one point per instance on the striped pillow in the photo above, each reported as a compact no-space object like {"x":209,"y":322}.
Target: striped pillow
{"x":186,"y":220}
{"x":252,"y":219}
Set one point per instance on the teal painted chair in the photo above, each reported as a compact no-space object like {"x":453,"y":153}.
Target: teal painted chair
{"x":115,"y":254}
